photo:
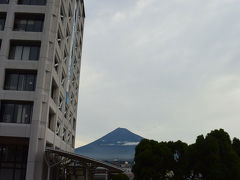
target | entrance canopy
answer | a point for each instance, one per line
(70, 163)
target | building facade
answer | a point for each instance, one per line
(40, 59)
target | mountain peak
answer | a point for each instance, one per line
(119, 143)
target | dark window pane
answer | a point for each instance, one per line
(38, 2)
(32, 2)
(30, 82)
(16, 113)
(21, 82)
(16, 52)
(28, 22)
(2, 23)
(11, 81)
(19, 154)
(20, 25)
(12, 52)
(13, 162)
(38, 26)
(24, 2)
(7, 113)
(17, 175)
(24, 52)
(4, 2)
(6, 174)
(34, 53)
(30, 25)
(26, 114)
(9, 153)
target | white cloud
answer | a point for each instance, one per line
(131, 144)
(118, 16)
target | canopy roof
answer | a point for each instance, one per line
(55, 157)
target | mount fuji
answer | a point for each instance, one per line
(117, 145)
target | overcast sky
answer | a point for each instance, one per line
(164, 69)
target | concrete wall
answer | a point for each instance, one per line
(37, 131)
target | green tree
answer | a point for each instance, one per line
(152, 160)
(214, 157)
(178, 153)
(236, 145)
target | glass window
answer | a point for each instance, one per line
(2, 20)
(16, 112)
(38, 25)
(30, 82)
(32, 2)
(18, 52)
(4, 1)
(23, 51)
(28, 22)
(20, 81)
(26, 113)
(34, 53)
(7, 111)
(20, 24)
(56, 63)
(6, 174)
(13, 161)
(11, 81)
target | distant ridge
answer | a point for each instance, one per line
(119, 144)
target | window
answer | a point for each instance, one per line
(68, 34)
(68, 138)
(4, 1)
(81, 28)
(64, 134)
(20, 81)
(32, 2)
(51, 120)
(70, 12)
(73, 141)
(49, 145)
(74, 62)
(2, 20)
(54, 91)
(66, 111)
(60, 106)
(73, 80)
(59, 37)
(24, 50)
(16, 112)
(58, 129)
(13, 161)
(62, 13)
(74, 123)
(56, 63)
(28, 22)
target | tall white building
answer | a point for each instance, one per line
(40, 59)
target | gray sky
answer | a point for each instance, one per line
(164, 69)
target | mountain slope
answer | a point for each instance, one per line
(119, 144)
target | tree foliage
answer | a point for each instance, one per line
(214, 157)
